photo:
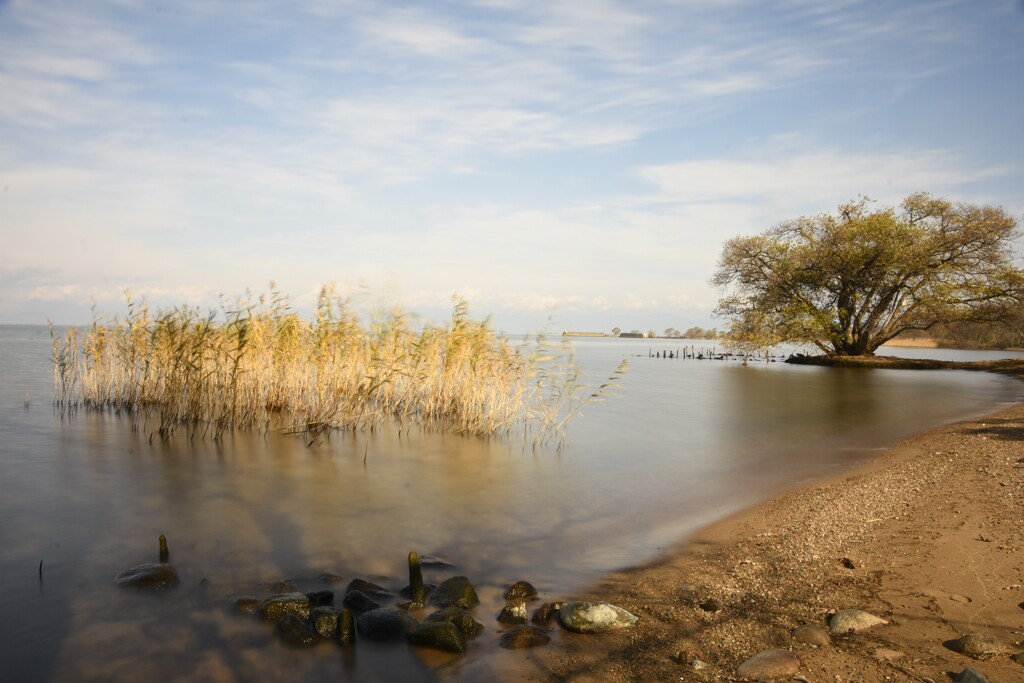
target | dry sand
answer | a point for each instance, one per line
(928, 536)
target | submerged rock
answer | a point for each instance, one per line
(320, 598)
(978, 645)
(275, 607)
(852, 621)
(245, 604)
(770, 664)
(439, 635)
(358, 601)
(151, 576)
(385, 623)
(513, 613)
(520, 590)
(462, 619)
(326, 620)
(293, 630)
(456, 591)
(594, 617)
(366, 587)
(524, 636)
(542, 615)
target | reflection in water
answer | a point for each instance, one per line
(683, 442)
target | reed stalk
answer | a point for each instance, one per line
(256, 364)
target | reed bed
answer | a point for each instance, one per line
(258, 365)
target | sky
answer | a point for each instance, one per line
(562, 165)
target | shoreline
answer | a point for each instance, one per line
(927, 535)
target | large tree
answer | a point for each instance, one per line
(852, 281)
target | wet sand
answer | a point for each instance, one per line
(928, 536)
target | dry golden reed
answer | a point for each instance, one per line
(258, 365)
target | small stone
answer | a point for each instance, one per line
(456, 591)
(811, 635)
(151, 576)
(969, 675)
(960, 598)
(385, 623)
(524, 636)
(439, 635)
(848, 563)
(462, 619)
(1018, 658)
(359, 602)
(244, 604)
(320, 598)
(770, 664)
(366, 587)
(520, 590)
(977, 645)
(594, 617)
(711, 605)
(852, 621)
(325, 621)
(294, 631)
(513, 613)
(275, 607)
(542, 615)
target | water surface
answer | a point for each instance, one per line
(682, 442)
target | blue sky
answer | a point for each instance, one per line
(580, 161)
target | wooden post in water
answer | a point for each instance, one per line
(417, 591)
(165, 554)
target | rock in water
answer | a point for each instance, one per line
(520, 590)
(456, 591)
(978, 645)
(293, 630)
(385, 623)
(275, 607)
(513, 613)
(770, 664)
(152, 576)
(439, 635)
(245, 604)
(462, 619)
(358, 601)
(852, 621)
(594, 617)
(524, 636)
(326, 621)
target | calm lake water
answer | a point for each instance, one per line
(682, 442)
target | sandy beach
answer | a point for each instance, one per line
(927, 536)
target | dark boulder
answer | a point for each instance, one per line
(513, 613)
(320, 598)
(520, 590)
(439, 635)
(359, 602)
(462, 619)
(367, 588)
(385, 623)
(244, 604)
(275, 607)
(151, 576)
(326, 621)
(295, 631)
(456, 591)
(542, 615)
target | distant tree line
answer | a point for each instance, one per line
(670, 333)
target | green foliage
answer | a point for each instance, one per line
(852, 281)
